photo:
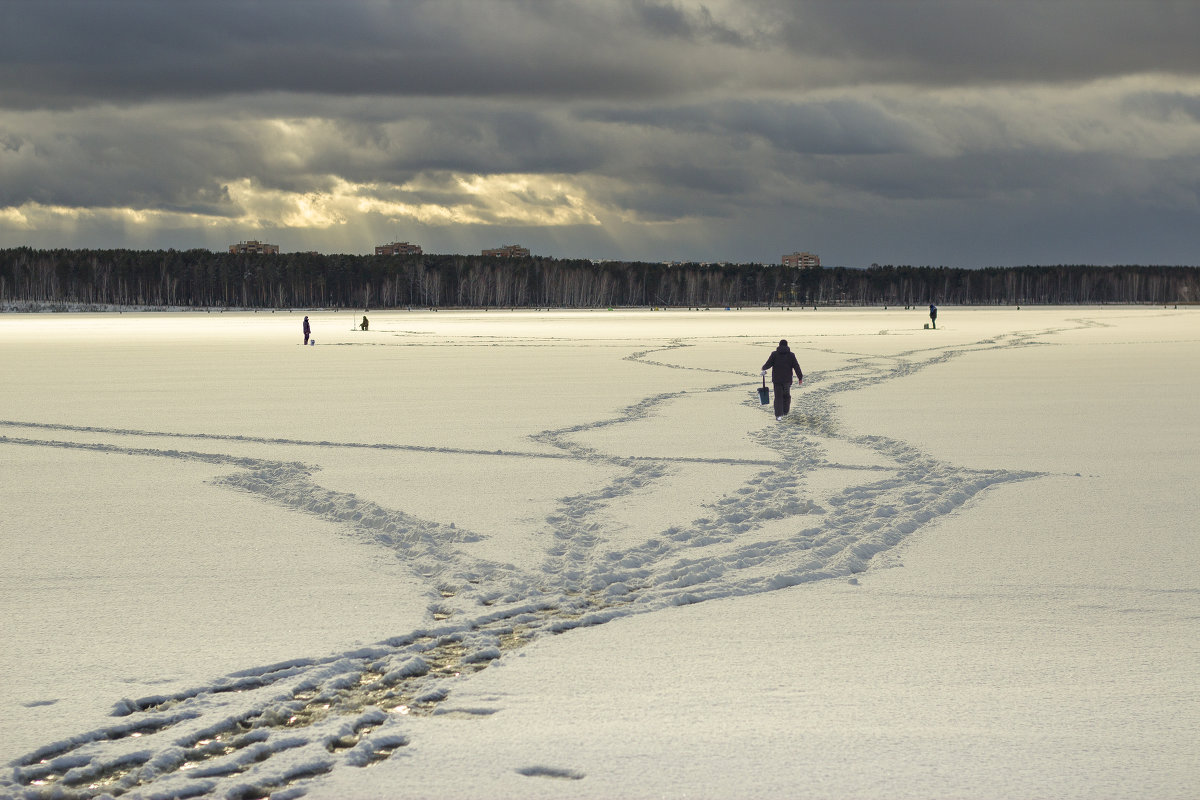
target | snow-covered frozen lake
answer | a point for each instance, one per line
(569, 554)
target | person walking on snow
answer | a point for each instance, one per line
(782, 363)
(307, 330)
(933, 315)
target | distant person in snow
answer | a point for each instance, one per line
(933, 315)
(782, 363)
(307, 330)
(364, 323)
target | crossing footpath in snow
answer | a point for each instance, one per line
(569, 554)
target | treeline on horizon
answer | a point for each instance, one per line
(206, 279)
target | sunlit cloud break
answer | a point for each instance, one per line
(506, 199)
(36, 216)
(470, 199)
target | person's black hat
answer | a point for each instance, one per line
(783, 342)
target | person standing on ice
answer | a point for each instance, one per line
(307, 330)
(933, 315)
(782, 363)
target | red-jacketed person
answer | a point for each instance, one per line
(782, 364)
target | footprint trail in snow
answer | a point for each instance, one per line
(272, 729)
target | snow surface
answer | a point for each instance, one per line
(568, 554)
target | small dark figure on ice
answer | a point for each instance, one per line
(307, 330)
(782, 364)
(364, 323)
(933, 315)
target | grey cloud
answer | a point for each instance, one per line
(670, 19)
(64, 54)
(105, 167)
(693, 128)
(840, 126)
(832, 127)
(971, 178)
(1163, 106)
(967, 41)
(499, 140)
(175, 157)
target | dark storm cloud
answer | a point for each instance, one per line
(489, 139)
(841, 126)
(968, 41)
(723, 129)
(105, 163)
(1004, 177)
(670, 20)
(60, 53)
(64, 53)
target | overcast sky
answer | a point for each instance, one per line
(955, 132)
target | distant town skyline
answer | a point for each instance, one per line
(798, 259)
(935, 132)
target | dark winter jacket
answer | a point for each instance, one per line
(781, 364)
(307, 329)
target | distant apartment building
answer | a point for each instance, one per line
(802, 260)
(508, 251)
(398, 249)
(260, 248)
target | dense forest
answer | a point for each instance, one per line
(204, 279)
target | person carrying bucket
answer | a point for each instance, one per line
(782, 363)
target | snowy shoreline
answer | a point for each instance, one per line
(33, 307)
